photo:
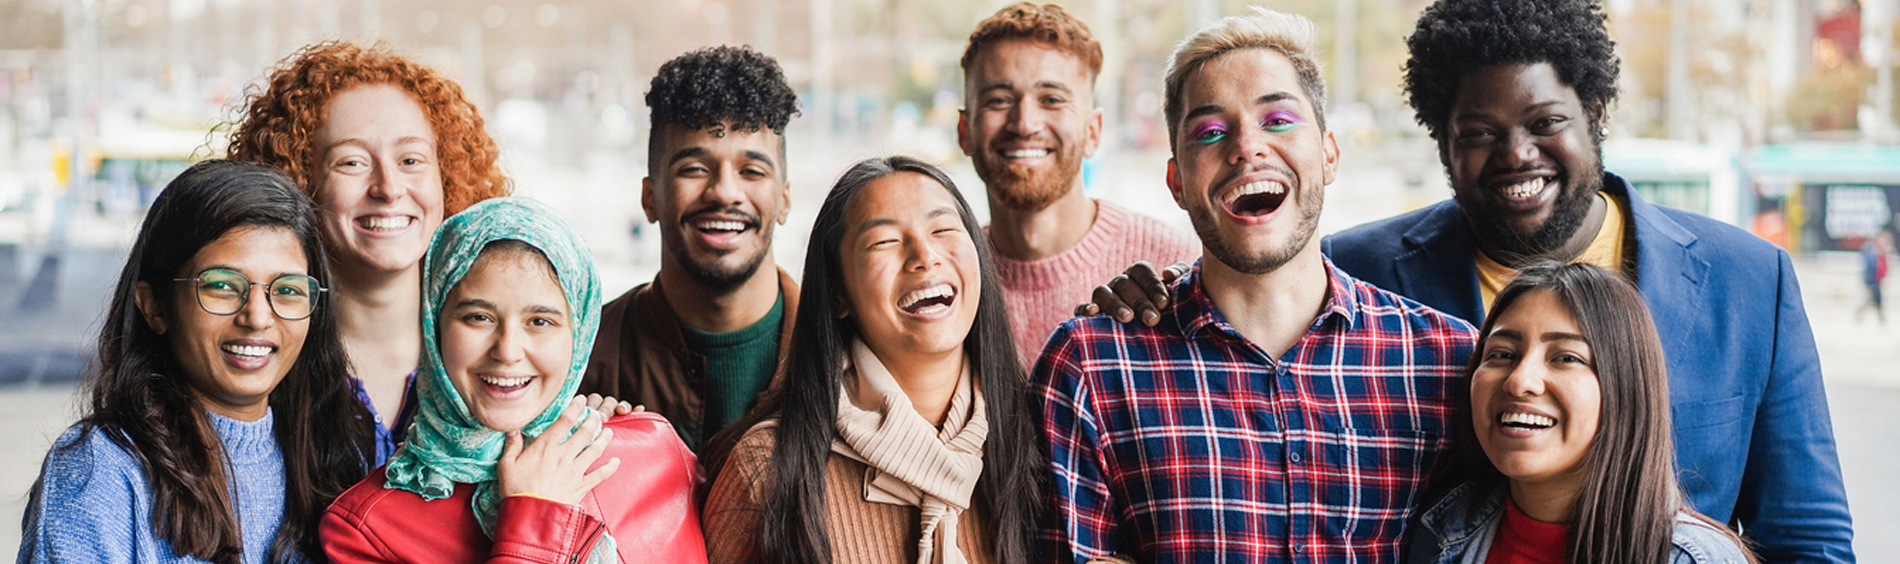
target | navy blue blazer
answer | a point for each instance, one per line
(1754, 444)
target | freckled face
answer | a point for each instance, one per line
(380, 198)
(507, 339)
(911, 276)
(1535, 397)
(1251, 164)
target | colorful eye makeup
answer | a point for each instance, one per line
(1209, 132)
(1279, 121)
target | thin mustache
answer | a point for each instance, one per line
(732, 210)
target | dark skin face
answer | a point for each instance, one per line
(1523, 163)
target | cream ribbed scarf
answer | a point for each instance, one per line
(913, 463)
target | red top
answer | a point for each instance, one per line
(1523, 540)
(647, 505)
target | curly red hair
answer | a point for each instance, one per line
(279, 117)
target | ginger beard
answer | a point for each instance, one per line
(1027, 187)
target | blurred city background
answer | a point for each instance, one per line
(1775, 115)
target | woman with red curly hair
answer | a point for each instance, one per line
(386, 147)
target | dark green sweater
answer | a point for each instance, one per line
(739, 365)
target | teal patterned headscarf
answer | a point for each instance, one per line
(446, 444)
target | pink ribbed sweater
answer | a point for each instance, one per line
(1041, 294)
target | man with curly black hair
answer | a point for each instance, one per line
(700, 342)
(1516, 94)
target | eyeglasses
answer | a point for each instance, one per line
(224, 292)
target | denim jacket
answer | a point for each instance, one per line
(1460, 526)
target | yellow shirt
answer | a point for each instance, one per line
(1606, 250)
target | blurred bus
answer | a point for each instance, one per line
(1826, 196)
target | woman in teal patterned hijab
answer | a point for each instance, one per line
(510, 308)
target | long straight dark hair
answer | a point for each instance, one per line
(141, 400)
(805, 402)
(1627, 510)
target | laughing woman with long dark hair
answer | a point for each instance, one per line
(900, 430)
(220, 420)
(1564, 445)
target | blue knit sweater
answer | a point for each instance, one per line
(93, 502)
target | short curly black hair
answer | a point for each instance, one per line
(736, 87)
(1454, 38)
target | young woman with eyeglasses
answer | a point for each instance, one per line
(220, 421)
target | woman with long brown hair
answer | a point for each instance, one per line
(1564, 452)
(219, 423)
(900, 431)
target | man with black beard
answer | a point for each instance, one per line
(700, 342)
(1029, 119)
(1516, 95)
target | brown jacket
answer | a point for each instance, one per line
(640, 357)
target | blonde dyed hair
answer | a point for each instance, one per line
(1289, 34)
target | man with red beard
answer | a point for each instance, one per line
(1028, 122)
(1279, 409)
(699, 343)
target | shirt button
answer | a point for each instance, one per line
(1299, 547)
(1295, 457)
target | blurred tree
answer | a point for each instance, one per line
(1829, 99)
(30, 24)
(1728, 92)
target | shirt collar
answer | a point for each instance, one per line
(1194, 311)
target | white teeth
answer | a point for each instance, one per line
(1256, 187)
(720, 225)
(1027, 153)
(386, 223)
(1524, 189)
(247, 350)
(1526, 419)
(505, 382)
(938, 291)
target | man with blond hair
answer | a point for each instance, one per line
(1029, 119)
(1279, 409)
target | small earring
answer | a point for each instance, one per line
(1603, 131)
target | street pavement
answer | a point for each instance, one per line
(47, 320)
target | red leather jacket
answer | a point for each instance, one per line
(647, 505)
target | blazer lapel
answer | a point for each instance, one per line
(1439, 266)
(1668, 271)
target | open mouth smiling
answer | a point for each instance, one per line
(1254, 199)
(385, 223)
(1525, 421)
(929, 300)
(248, 352)
(1026, 154)
(505, 384)
(1526, 190)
